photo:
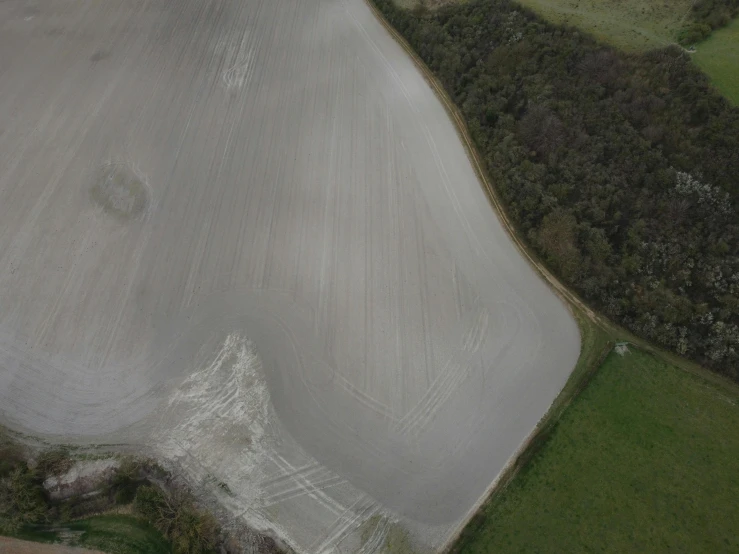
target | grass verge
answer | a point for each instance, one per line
(597, 335)
(116, 534)
(637, 26)
(646, 459)
(596, 342)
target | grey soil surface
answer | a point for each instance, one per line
(245, 236)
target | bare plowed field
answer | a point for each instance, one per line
(245, 235)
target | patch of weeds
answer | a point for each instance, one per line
(368, 527)
(178, 519)
(398, 541)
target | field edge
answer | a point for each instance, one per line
(598, 334)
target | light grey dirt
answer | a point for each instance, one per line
(245, 235)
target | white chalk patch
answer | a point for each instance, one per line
(216, 421)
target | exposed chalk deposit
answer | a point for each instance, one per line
(84, 477)
(245, 236)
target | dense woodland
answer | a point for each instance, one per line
(621, 171)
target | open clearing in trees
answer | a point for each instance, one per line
(245, 236)
(718, 56)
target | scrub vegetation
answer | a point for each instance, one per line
(162, 518)
(646, 459)
(620, 170)
(119, 534)
(635, 26)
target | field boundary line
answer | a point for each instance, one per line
(531, 445)
(570, 298)
(537, 438)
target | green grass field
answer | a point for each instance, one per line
(718, 56)
(632, 25)
(646, 459)
(115, 534)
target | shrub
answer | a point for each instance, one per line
(22, 499)
(175, 515)
(693, 33)
(53, 463)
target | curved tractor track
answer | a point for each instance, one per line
(245, 236)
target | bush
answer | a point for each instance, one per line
(126, 481)
(176, 517)
(11, 455)
(708, 15)
(693, 33)
(716, 13)
(22, 499)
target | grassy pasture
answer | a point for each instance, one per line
(116, 534)
(631, 25)
(646, 459)
(718, 56)
(634, 26)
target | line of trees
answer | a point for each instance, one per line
(621, 170)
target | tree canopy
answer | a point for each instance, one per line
(621, 170)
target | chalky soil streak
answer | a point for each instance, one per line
(245, 236)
